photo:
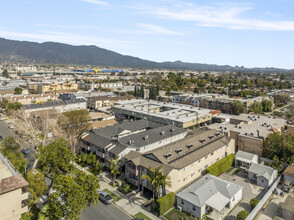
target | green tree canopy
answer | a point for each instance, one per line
(237, 107)
(242, 215)
(256, 107)
(55, 159)
(267, 105)
(17, 91)
(5, 73)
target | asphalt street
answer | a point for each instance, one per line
(4, 130)
(104, 212)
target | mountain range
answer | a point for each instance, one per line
(59, 53)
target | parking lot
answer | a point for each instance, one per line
(250, 191)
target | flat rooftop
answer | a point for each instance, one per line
(252, 124)
(172, 111)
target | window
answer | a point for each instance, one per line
(182, 202)
(24, 203)
(233, 198)
(206, 156)
(185, 168)
(192, 174)
(199, 170)
(211, 153)
(194, 208)
(185, 179)
(199, 161)
(192, 164)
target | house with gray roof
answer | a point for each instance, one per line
(209, 195)
(263, 175)
(244, 159)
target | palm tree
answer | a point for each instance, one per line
(114, 168)
(163, 182)
(153, 178)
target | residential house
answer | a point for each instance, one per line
(288, 174)
(263, 175)
(244, 159)
(210, 196)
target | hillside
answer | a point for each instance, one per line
(59, 53)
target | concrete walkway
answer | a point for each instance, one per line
(130, 204)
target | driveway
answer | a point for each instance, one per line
(250, 191)
(103, 212)
(4, 130)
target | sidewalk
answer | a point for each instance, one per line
(130, 203)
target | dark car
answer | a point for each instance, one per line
(1, 138)
(105, 197)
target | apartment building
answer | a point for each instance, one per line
(92, 86)
(193, 99)
(13, 192)
(250, 131)
(119, 140)
(181, 115)
(31, 99)
(42, 88)
(97, 102)
(58, 105)
(225, 104)
(183, 161)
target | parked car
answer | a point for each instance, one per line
(105, 197)
(1, 138)
(26, 152)
(11, 126)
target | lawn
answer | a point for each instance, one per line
(229, 170)
(142, 216)
(115, 197)
(175, 214)
(236, 171)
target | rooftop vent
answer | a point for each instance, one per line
(245, 133)
(251, 134)
(146, 137)
(202, 140)
(210, 137)
(172, 129)
(189, 146)
(131, 142)
(239, 127)
(162, 132)
(178, 150)
(217, 134)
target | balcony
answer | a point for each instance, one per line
(24, 203)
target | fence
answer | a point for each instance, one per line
(257, 208)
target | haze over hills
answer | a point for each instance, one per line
(59, 53)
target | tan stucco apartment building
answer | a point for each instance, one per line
(249, 131)
(13, 192)
(183, 161)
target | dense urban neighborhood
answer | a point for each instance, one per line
(92, 143)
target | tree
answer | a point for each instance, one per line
(67, 200)
(74, 123)
(281, 99)
(37, 186)
(55, 159)
(267, 105)
(253, 203)
(90, 184)
(164, 181)
(168, 91)
(5, 73)
(17, 91)
(242, 215)
(256, 107)
(114, 169)
(142, 92)
(153, 177)
(237, 107)
(12, 150)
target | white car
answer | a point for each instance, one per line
(1, 119)
(11, 126)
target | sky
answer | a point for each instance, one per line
(256, 33)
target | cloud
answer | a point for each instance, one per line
(70, 38)
(155, 29)
(97, 2)
(229, 15)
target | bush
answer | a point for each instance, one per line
(125, 187)
(242, 215)
(253, 203)
(221, 166)
(165, 203)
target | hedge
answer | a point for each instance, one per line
(221, 166)
(165, 203)
(242, 215)
(253, 203)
